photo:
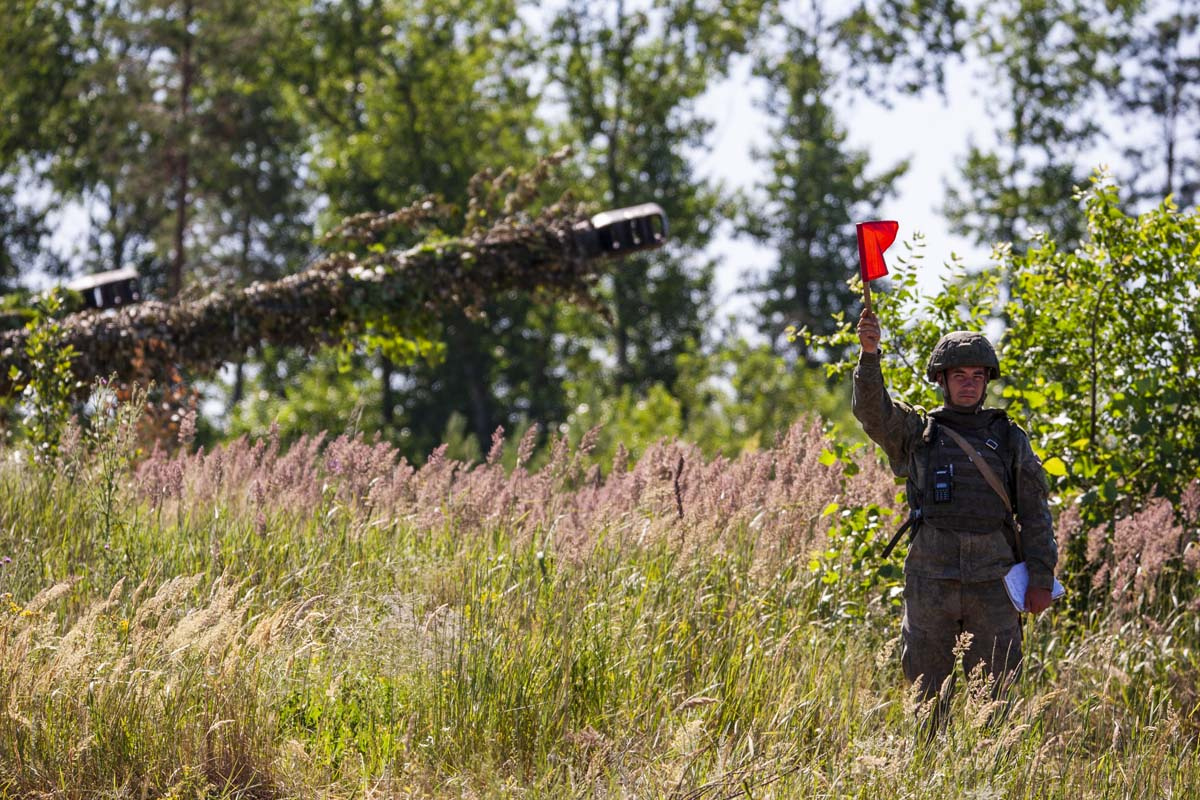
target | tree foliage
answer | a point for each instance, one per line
(208, 141)
(408, 98)
(817, 188)
(1160, 91)
(1098, 356)
(1051, 71)
(1102, 345)
(159, 126)
(1049, 64)
(903, 45)
(629, 79)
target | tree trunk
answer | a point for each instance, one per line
(239, 384)
(179, 257)
(387, 396)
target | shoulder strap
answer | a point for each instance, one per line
(990, 477)
(1015, 434)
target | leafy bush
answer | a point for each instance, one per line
(850, 567)
(1101, 347)
(1098, 348)
(47, 384)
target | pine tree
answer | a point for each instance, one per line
(817, 188)
(628, 81)
(1160, 96)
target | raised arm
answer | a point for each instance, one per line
(892, 425)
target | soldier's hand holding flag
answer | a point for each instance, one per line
(868, 330)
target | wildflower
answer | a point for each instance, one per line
(525, 449)
(497, 447)
(588, 443)
(620, 460)
(438, 457)
(1191, 556)
(885, 654)
(962, 644)
(187, 428)
(1144, 544)
(1189, 504)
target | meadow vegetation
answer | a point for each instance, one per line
(331, 621)
(678, 592)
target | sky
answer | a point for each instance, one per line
(932, 132)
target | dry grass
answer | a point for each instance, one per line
(337, 624)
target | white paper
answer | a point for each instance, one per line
(1017, 581)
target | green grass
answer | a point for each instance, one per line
(224, 649)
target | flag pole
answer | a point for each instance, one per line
(862, 267)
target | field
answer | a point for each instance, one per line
(331, 622)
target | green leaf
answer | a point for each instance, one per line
(891, 572)
(1034, 400)
(1055, 466)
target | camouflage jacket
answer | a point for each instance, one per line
(967, 538)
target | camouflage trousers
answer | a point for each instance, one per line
(937, 612)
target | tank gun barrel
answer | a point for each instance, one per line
(341, 294)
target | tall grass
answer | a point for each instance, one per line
(332, 622)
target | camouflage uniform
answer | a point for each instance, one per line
(958, 558)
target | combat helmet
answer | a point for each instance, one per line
(962, 349)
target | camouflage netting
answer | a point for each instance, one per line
(337, 297)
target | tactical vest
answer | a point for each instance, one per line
(949, 490)
(945, 489)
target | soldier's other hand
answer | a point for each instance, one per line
(868, 331)
(1037, 600)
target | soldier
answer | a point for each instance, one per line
(965, 535)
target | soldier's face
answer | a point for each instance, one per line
(964, 386)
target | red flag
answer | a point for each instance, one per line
(873, 238)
